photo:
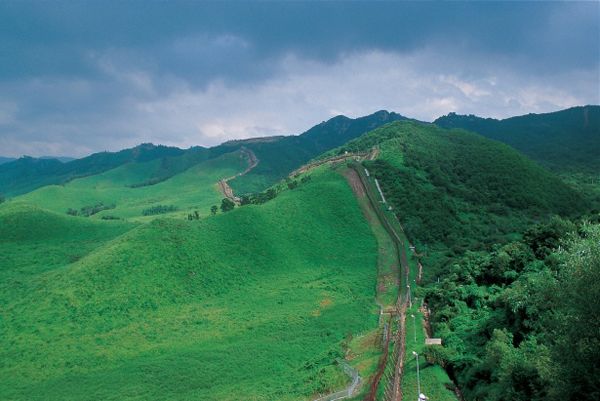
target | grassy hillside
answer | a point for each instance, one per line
(193, 189)
(253, 304)
(566, 140)
(454, 190)
(284, 154)
(27, 173)
(484, 220)
(278, 156)
(34, 241)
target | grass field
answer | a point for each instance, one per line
(254, 304)
(194, 189)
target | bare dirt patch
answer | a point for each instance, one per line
(355, 183)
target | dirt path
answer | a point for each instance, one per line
(370, 155)
(394, 388)
(223, 184)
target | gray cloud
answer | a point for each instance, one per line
(77, 78)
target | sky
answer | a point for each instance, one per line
(81, 77)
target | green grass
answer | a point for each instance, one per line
(254, 304)
(454, 190)
(193, 189)
(433, 377)
(33, 240)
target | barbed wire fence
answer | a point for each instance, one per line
(348, 391)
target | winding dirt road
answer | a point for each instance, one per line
(223, 184)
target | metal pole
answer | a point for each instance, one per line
(414, 327)
(418, 377)
(409, 297)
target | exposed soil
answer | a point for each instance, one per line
(355, 182)
(223, 184)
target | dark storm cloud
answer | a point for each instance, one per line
(76, 76)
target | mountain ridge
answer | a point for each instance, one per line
(564, 140)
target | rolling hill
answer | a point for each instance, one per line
(277, 155)
(281, 156)
(27, 173)
(566, 140)
(122, 193)
(458, 190)
(253, 304)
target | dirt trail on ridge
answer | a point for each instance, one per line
(223, 184)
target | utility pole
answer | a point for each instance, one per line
(418, 377)
(414, 326)
(409, 297)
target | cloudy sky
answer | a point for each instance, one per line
(81, 77)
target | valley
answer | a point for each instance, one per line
(137, 283)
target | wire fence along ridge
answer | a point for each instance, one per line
(348, 391)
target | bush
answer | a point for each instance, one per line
(159, 209)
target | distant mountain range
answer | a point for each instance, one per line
(567, 140)
(278, 156)
(62, 159)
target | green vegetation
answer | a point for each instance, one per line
(281, 155)
(26, 174)
(520, 322)
(278, 156)
(434, 381)
(472, 206)
(33, 241)
(566, 140)
(159, 209)
(454, 191)
(259, 302)
(194, 189)
(256, 303)
(90, 210)
(227, 205)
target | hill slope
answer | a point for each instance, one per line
(279, 156)
(253, 304)
(123, 194)
(456, 189)
(27, 173)
(566, 140)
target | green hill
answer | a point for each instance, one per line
(566, 140)
(498, 264)
(280, 155)
(121, 193)
(458, 190)
(27, 173)
(252, 304)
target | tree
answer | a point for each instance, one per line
(575, 323)
(196, 215)
(227, 205)
(2, 198)
(213, 209)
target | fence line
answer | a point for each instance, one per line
(348, 391)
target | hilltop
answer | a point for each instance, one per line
(459, 189)
(566, 140)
